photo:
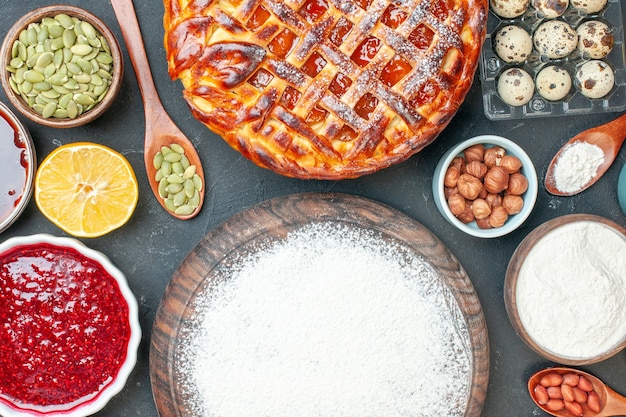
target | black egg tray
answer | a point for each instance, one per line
(575, 103)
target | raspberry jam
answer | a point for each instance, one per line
(65, 327)
(13, 167)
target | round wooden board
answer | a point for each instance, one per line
(274, 219)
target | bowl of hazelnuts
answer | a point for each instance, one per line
(486, 186)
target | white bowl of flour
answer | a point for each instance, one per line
(565, 288)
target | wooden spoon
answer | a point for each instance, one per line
(611, 403)
(160, 129)
(609, 137)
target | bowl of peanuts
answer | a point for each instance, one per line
(485, 186)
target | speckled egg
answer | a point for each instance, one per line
(515, 87)
(550, 8)
(595, 79)
(513, 44)
(555, 39)
(509, 9)
(553, 83)
(589, 6)
(595, 39)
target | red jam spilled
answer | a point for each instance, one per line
(13, 167)
(65, 327)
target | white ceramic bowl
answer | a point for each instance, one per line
(7, 218)
(94, 401)
(514, 221)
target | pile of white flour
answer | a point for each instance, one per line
(334, 322)
(571, 290)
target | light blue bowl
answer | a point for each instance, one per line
(621, 189)
(528, 170)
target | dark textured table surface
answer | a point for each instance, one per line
(149, 248)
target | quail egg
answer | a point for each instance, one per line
(595, 39)
(589, 6)
(513, 44)
(550, 8)
(509, 9)
(553, 83)
(595, 79)
(555, 39)
(515, 87)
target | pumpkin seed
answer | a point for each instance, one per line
(177, 168)
(69, 38)
(60, 54)
(177, 148)
(175, 179)
(157, 160)
(197, 181)
(65, 21)
(48, 110)
(169, 204)
(173, 188)
(189, 172)
(184, 210)
(172, 157)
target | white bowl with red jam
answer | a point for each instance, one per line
(70, 329)
(17, 167)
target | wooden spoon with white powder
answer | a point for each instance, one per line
(585, 158)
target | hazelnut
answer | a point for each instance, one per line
(476, 168)
(511, 163)
(481, 209)
(474, 152)
(496, 180)
(483, 223)
(498, 216)
(512, 203)
(456, 203)
(469, 186)
(518, 184)
(483, 193)
(458, 162)
(449, 191)
(493, 156)
(452, 176)
(493, 199)
(467, 216)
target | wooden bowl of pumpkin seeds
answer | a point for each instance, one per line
(61, 66)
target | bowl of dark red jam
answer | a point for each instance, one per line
(70, 329)
(17, 167)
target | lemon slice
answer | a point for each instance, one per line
(86, 189)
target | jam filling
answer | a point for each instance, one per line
(65, 327)
(13, 168)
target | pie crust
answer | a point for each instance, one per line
(325, 89)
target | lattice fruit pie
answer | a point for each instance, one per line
(325, 89)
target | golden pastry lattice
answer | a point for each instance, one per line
(325, 89)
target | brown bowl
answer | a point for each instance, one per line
(20, 103)
(512, 298)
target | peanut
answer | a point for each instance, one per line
(552, 379)
(584, 384)
(571, 379)
(574, 408)
(541, 394)
(555, 405)
(568, 392)
(554, 392)
(593, 402)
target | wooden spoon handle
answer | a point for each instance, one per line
(615, 404)
(127, 19)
